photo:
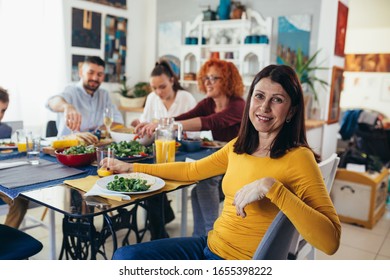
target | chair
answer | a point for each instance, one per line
(30, 222)
(328, 168)
(15, 125)
(51, 129)
(277, 241)
(17, 245)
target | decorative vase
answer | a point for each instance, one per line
(224, 9)
(137, 102)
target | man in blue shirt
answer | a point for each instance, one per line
(81, 106)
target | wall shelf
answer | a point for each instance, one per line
(226, 40)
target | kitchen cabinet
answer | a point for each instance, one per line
(244, 42)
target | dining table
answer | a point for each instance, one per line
(82, 238)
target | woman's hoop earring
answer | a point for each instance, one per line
(288, 120)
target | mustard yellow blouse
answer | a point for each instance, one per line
(299, 192)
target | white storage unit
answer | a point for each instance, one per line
(227, 39)
(360, 198)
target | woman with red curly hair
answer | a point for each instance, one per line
(221, 112)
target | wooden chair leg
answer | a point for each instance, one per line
(44, 213)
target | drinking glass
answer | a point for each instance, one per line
(21, 136)
(101, 153)
(108, 119)
(33, 146)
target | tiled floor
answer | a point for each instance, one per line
(357, 243)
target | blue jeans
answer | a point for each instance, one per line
(205, 198)
(179, 248)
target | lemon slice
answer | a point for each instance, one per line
(103, 172)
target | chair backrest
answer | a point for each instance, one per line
(17, 245)
(278, 239)
(328, 169)
(15, 125)
(51, 129)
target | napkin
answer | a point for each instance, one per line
(4, 165)
(88, 184)
(97, 190)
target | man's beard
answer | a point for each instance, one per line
(93, 87)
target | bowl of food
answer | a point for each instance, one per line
(146, 140)
(123, 134)
(191, 145)
(127, 134)
(76, 156)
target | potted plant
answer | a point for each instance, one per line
(133, 97)
(305, 71)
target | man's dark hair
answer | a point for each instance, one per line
(4, 97)
(95, 60)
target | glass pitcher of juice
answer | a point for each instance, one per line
(165, 140)
(21, 137)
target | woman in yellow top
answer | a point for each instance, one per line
(268, 167)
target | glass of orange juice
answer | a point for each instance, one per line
(21, 138)
(164, 150)
(101, 153)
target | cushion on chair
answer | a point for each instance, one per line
(16, 244)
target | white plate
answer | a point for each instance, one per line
(156, 183)
(5, 147)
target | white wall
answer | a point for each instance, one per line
(368, 32)
(31, 57)
(326, 42)
(368, 27)
(35, 51)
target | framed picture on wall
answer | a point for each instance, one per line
(121, 4)
(293, 35)
(341, 29)
(86, 29)
(115, 48)
(335, 92)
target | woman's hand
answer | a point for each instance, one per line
(146, 129)
(135, 123)
(250, 193)
(117, 166)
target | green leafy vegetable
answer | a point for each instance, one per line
(131, 148)
(122, 184)
(79, 149)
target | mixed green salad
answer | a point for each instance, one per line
(79, 149)
(130, 149)
(121, 184)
